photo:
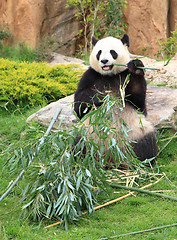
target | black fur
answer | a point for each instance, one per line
(98, 55)
(114, 54)
(94, 40)
(92, 83)
(146, 148)
(125, 40)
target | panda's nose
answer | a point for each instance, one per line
(104, 61)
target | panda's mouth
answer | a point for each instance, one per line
(107, 67)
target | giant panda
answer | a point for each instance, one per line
(103, 76)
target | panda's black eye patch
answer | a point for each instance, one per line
(114, 54)
(98, 55)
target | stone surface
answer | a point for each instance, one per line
(162, 107)
(65, 119)
(148, 21)
(62, 59)
(24, 18)
(30, 20)
(167, 76)
(161, 104)
(173, 15)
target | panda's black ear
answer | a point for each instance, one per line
(125, 40)
(94, 40)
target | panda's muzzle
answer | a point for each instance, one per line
(107, 67)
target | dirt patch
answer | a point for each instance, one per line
(166, 76)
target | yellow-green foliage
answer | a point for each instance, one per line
(32, 83)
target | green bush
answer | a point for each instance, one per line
(169, 48)
(4, 34)
(32, 84)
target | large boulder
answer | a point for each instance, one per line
(161, 106)
(65, 119)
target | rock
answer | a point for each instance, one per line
(62, 59)
(24, 18)
(65, 119)
(30, 20)
(166, 76)
(148, 22)
(162, 107)
(173, 15)
(161, 104)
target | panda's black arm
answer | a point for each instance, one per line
(133, 67)
(86, 94)
(136, 88)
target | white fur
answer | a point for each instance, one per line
(105, 45)
(137, 125)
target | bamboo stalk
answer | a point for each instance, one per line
(41, 142)
(123, 65)
(143, 231)
(143, 191)
(53, 224)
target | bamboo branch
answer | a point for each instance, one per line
(117, 199)
(143, 191)
(123, 65)
(105, 204)
(143, 231)
(30, 162)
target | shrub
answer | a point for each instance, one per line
(4, 34)
(169, 48)
(32, 84)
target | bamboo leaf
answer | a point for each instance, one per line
(28, 204)
(78, 182)
(49, 210)
(88, 173)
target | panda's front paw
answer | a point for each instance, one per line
(133, 67)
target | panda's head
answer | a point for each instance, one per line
(107, 52)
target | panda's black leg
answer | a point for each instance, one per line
(146, 148)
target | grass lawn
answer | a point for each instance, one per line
(135, 213)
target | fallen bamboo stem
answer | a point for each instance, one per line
(105, 204)
(143, 191)
(143, 231)
(53, 224)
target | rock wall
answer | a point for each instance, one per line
(30, 20)
(24, 18)
(173, 14)
(148, 21)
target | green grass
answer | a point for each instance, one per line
(20, 52)
(132, 214)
